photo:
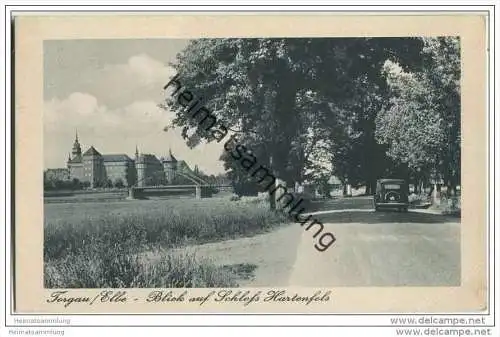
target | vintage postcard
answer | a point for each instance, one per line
(225, 163)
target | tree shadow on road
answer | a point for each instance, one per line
(372, 217)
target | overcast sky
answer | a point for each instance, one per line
(109, 91)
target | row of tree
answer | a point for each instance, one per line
(309, 108)
(54, 184)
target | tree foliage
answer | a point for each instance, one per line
(307, 108)
(421, 124)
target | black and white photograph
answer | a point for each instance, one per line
(252, 162)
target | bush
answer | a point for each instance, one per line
(261, 198)
(306, 203)
(246, 188)
(119, 183)
(450, 206)
(417, 199)
(60, 185)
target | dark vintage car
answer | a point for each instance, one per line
(391, 193)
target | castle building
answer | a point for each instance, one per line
(103, 169)
(149, 170)
(169, 167)
(93, 168)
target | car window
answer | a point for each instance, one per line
(392, 187)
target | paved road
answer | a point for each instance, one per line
(380, 249)
(371, 249)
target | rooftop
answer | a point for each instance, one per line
(116, 157)
(75, 160)
(91, 152)
(170, 157)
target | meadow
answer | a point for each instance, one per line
(99, 244)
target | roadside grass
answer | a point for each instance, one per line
(243, 270)
(95, 245)
(119, 268)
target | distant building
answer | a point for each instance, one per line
(149, 170)
(144, 170)
(334, 185)
(120, 167)
(170, 166)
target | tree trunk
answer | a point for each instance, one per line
(286, 128)
(454, 184)
(272, 201)
(349, 190)
(272, 196)
(436, 198)
(430, 191)
(449, 187)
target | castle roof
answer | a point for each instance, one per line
(147, 155)
(75, 160)
(115, 157)
(91, 152)
(170, 157)
(148, 158)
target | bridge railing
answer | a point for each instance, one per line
(179, 186)
(200, 190)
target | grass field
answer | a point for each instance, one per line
(97, 244)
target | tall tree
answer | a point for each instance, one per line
(358, 158)
(301, 104)
(253, 86)
(422, 123)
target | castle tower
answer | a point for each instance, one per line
(140, 166)
(77, 149)
(170, 167)
(74, 163)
